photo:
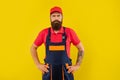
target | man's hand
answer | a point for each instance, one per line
(79, 59)
(43, 68)
(72, 68)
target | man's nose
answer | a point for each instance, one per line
(56, 17)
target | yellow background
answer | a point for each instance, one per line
(96, 22)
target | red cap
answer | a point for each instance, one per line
(55, 9)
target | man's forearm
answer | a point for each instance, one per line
(35, 55)
(79, 57)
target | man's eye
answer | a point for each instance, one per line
(58, 15)
(53, 15)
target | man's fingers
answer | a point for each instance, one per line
(47, 66)
(45, 70)
(73, 71)
(70, 70)
(68, 67)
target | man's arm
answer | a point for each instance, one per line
(80, 53)
(34, 54)
(79, 58)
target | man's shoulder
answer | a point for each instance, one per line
(45, 30)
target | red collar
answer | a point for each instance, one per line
(60, 31)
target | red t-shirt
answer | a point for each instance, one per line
(57, 37)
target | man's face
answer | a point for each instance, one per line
(56, 20)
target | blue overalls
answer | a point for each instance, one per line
(57, 59)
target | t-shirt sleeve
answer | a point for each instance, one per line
(74, 38)
(39, 39)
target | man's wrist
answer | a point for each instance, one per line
(77, 64)
(38, 64)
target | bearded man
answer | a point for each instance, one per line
(57, 40)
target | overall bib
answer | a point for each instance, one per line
(57, 59)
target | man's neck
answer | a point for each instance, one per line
(56, 31)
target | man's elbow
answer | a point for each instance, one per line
(82, 50)
(33, 48)
(80, 47)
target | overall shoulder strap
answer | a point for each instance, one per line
(64, 35)
(64, 30)
(49, 33)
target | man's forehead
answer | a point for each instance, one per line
(56, 13)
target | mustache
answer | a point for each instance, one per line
(56, 21)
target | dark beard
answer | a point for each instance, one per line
(56, 25)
